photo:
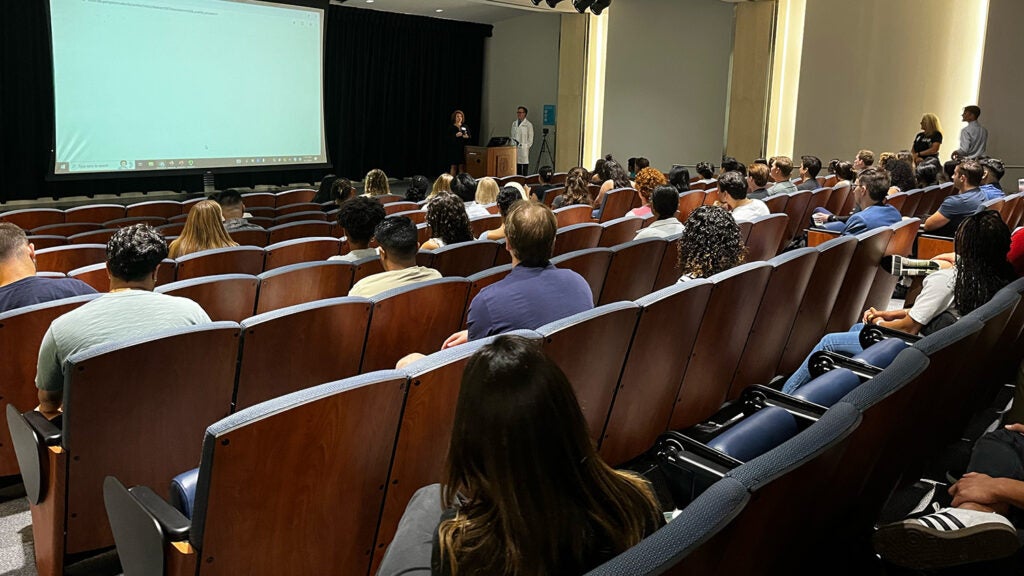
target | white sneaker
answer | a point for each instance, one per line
(949, 537)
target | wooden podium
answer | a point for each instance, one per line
(494, 161)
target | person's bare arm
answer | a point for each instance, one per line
(935, 221)
(50, 403)
(895, 319)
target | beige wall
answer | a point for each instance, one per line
(667, 79)
(871, 68)
(1001, 87)
(520, 69)
(751, 74)
(572, 57)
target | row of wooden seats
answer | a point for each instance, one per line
(718, 333)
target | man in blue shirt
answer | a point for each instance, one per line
(19, 285)
(994, 171)
(966, 180)
(869, 194)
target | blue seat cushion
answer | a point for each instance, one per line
(827, 389)
(183, 492)
(881, 354)
(756, 434)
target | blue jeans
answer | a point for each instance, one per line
(843, 342)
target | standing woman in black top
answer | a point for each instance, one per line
(456, 138)
(927, 141)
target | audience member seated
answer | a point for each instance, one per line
(233, 209)
(901, 175)
(486, 193)
(679, 177)
(994, 171)
(729, 164)
(535, 292)
(975, 527)
(544, 503)
(966, 200)
(419, 187)
(130, 310)
(323, 193)
(599, 175)
(442, 184)
(809, 168)
(635, 165)
(544, 173)
(448, 221)
(342, 191)
(617, 178)
(846, 174)
(864, 159)
(757, 180)
(706, 170)
(869, 197)
(927, 174)
(646, 181)
(376, 183)
(981, 270)
(359, 217)
(664, 204)
(19, 285)
(710, 243)
(733, 188)
(508, 196)
(576, 190)
(204, 230)
(464, 186)
(779, 173)
(396, 236)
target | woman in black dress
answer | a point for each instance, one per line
(927, 141)
(457, 138)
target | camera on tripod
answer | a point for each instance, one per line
(545, 131)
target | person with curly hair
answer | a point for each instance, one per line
(901, 175)
(647, 179)
(419, 187)
(710, 243)
(706, 170)
(204, 230)
(576, 190)
(376, 183)
(359, 217)
(448, 222)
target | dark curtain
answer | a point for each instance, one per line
(391, 83)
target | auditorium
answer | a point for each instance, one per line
(522, 287)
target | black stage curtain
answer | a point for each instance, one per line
(391, 84)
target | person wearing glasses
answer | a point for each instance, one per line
(869, 195)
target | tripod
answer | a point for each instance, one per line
(545, 149)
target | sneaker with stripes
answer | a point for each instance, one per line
(947, 537)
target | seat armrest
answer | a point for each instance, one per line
(822, 361)
(871, 334)
(142, 524)
(49, 433)
(173, 523)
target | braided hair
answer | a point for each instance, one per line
(981, 243)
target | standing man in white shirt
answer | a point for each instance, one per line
(522, 137)
(973, 137)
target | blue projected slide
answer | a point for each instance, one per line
(145, 85)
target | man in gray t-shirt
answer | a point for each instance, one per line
(130, 310)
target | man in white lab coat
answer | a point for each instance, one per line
(522, 137)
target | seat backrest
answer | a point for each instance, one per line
(592, 264)
(796, 206)
(304, 216)
(658, 356)
(577, 237)
(904, 235)
(593, 369)
(230, 297)
(173, 229)
(293, 230)
(401, 206)
(823, 287)
(766, 235)
(31, 218)
(250, 237)
(305, 282)
(365, 267)
(616, 204)
(930, 200)
(101, 236)
(482, 224)
(297, 196)
(688, 202)
(575, 214)
(1018, 213)
(669, 273)
(414, 318)
(897, 201)
(417, 216)
(158, 208)
(66, 228)
(786, 289)
(67, 258)
(819, 198)
(777, 203)
(730, 313)
(94, 275)
(21, 332)
(633, 270)
(300, 250)
(94, 213)
(263, 447)
(300, 346)
(47, 241)
(389, 198)
(465, 258)
(619, 231)
(553, 193)
(258, 200)
(710, 196)
(860, 275)
(995, 204)
(231, 260)
(153, 221)
(179, 396)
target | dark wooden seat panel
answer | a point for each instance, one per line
(617, 203)
(633, 270)
(300, 250)
(47, 241)
(577, 237)
(230, 297)
(67, 258)
(592, 264)
(94, 213)
(462, 259)
(904, 233)
(250, 237)
(849, 305)
(31, 218)
(575, 214)
(68, 228)
(766, 234)
(304, 282)
(297, 196)
(619, 231)
(232, 260)
(159, 208)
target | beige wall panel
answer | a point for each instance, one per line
(751, 73)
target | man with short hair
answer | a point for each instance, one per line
(664, 205)
(869, 196)
(757, 181)
(131, 309)
(968, 199)
(809, 168)
(19, 285)
(359, 217)
(973, 137)
(733, 193)
(398, 247)
(233, 209)
(729, 164)
(994, 171)
(864, 159)
(522, 137)
(779, 173)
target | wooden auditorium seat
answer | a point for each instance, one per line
(668, 272)
(301, 229)
(482, 224)
(250, 237)
(304, 282)
(101, 236)
(393, 208)
(159, 208)
(231, 260)
(156, 435)
(47, 241)
(819, 198)
(592, 264)
(616, 204)
(171, 229)
(313, 249)
(688, 202)
(931, 198)
(257, 200)
(292, 197)
(796, 206)
(462, 259)
(849, 304)
(577, 237)
(904, 234)
(31, 218)
(67, 228)
(913, 201)
(230, 297)
(67, 258)
(897, 201)
(483, 279)
(416, 215)
(766, 235)
(777, 203)
(153, 221)
(633, 270)
(305, 216)
(94, 213)
(619, 231)
(575, 214)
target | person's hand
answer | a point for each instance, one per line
(976, 488)
(1015, 428)
(819, 218)
(873, 316)
(460, 337)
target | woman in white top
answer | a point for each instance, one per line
(664, 205)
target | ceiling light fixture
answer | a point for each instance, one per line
(599, 5)
(581, 5)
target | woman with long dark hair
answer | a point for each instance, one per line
(449, 223)
(576, 190)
